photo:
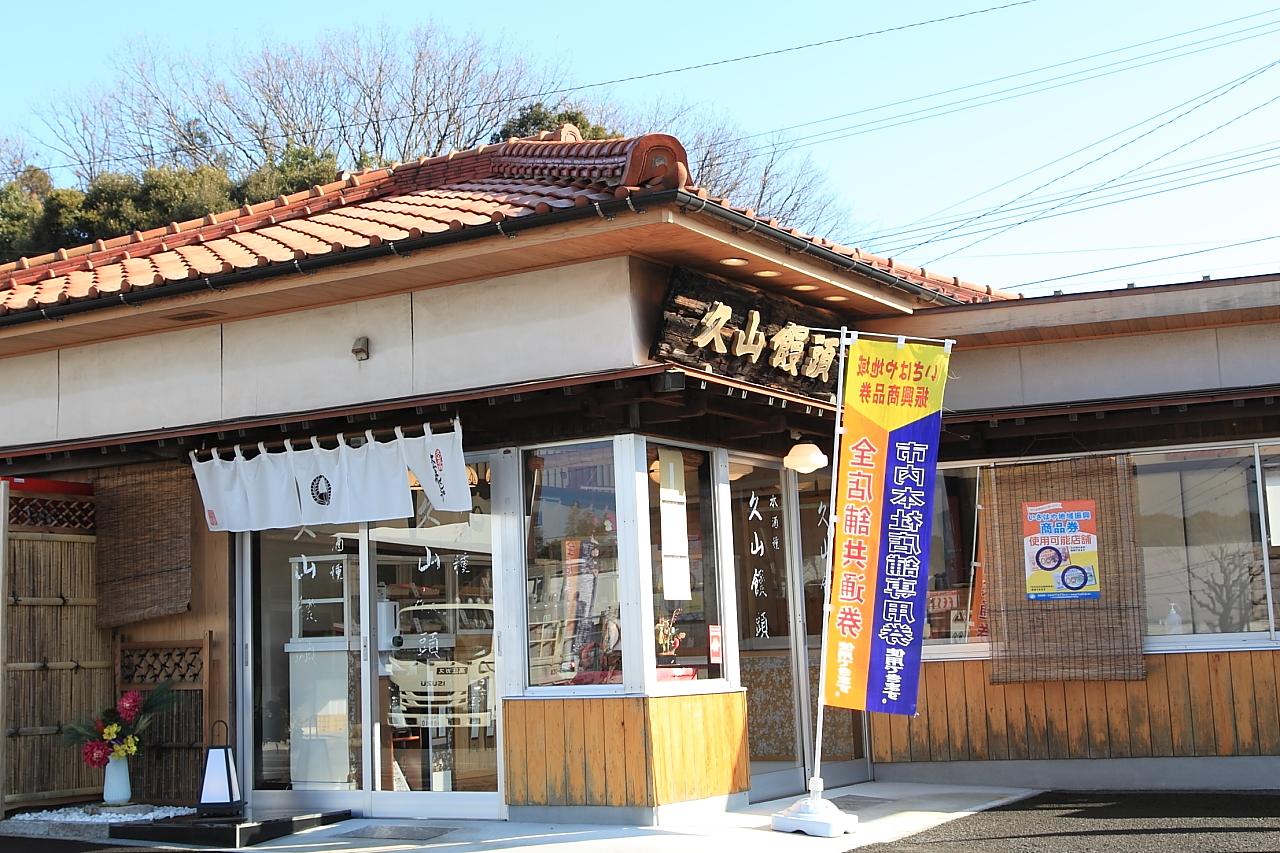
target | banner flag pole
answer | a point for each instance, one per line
(814, 815)
(883, 469)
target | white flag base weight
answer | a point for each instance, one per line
(814, 816)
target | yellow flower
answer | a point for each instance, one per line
(111, 732)
(130, 745)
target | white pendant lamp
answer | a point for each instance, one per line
(806, 457)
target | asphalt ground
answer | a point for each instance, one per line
(1060, 822)
(1056, 822)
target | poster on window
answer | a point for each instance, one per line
(1060, 549)
(884, 488)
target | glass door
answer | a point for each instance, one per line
(433, 677)
(766, 629)
(372, 662)
(306, 720)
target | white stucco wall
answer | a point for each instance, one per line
(301, 361)
(28, 398)
(140, 383)
(1114, 368)
(553, 322)
(518, 328)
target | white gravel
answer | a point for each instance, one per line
(79, 815)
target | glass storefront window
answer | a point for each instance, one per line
(434, 612)
(571, 581)
(686, 593)
(1198, 527)
(307, 701)
(955, 599)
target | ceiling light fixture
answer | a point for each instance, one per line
(834, 298)
(804, 288)
(767, 274)
(805, 458)
(734, 262)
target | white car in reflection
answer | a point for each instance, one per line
(442, 666)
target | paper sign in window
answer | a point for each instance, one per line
(1273, 505)
(674, 516)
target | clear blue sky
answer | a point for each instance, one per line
(890, 177)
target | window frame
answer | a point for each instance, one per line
(728, 681)
(1152, 643)
(518, 619)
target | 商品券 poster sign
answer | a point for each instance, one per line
(884, 490)
(1060, 548)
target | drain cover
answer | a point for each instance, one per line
(397, 832)
(851, 802)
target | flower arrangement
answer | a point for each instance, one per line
(117, 731)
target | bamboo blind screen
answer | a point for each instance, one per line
(1085, 639)
(144, 542)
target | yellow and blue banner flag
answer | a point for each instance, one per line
(883, 511)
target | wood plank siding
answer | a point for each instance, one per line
(625, 751)
(1203, 703)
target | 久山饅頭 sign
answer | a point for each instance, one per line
(891, 418)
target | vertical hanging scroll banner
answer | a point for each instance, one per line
(891, 419)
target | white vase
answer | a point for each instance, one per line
(115, 788)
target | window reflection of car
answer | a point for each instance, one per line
(442, 666)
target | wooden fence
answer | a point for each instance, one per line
(1216, 703)
(57, 663)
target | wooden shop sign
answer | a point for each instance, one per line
(739, 331)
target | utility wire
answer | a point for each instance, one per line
(1064, 63)
(1042, 281)
(1159, 179)
(996, 227)
(562, 90)
(906, 232)
(1198, 102)
(1126, 173)
(774, 150)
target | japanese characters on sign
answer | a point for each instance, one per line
(740, 331)
(883, 510)
(793, 349)
(1060, 550)
(763, 534)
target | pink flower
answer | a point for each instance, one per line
(129, 706)
(96, 753)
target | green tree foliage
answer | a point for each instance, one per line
(295, 169)
(534, 118)
(36, 218)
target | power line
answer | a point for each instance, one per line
(1045, 204)
(1096, 251)
(1181, 275)
(1046, 68)
(836, 134)
(560, 91)
(1160, 156)
(1198, 102)
(996, 227)
(922, 225)
(1142, 263)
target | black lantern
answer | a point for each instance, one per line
(220, 793)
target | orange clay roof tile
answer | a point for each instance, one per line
(553, 171)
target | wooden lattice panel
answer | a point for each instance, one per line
(142, 667)
(51, 514)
